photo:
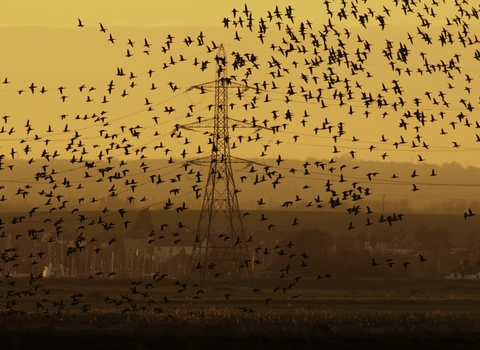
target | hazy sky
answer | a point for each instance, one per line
(134, 13)
(43, 45)
(335, 92)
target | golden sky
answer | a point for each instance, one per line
(86, 98)
(133, 13)
(42, 44)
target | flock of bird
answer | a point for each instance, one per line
(302, 68)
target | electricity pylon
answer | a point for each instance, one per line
(220, 248)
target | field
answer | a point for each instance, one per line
(335, 313)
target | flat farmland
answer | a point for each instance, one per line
(335, 313)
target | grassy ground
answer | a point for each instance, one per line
(230, 328)
(328, 315)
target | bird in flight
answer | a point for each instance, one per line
(421, 258)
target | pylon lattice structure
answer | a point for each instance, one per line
(220, 248)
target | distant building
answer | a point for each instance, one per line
(156, 250)
(465, 271)
(136, 240)
(408, 245)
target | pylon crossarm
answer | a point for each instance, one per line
(201, 85)
(228, 85)
(205, 123)
(200, 160)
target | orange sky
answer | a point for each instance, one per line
(43, 44)
(138, 13)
